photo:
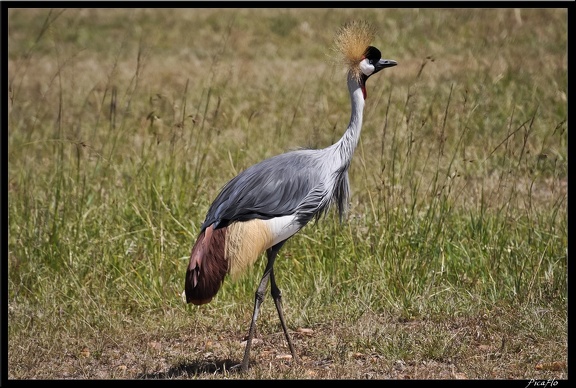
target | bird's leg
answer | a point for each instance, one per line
(271, 253)
(277, 296)
(257, 302)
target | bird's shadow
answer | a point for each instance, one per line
(213, 367)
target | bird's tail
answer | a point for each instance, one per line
(231, 249)
(207, 267)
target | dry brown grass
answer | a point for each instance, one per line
(123, 124)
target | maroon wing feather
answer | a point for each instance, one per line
(207, 267)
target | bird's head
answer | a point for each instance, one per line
(353, 44)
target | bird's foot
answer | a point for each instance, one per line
(239, 368)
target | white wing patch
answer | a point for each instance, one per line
(282, 228)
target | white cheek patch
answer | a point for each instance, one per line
(366, 67)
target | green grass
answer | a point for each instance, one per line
(124, 124)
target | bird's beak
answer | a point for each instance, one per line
(383, 63)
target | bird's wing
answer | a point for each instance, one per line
(272, 188)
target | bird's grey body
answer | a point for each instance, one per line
(287, 184)
(266, 204)
(295, 184)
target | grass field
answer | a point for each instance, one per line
(124, 124)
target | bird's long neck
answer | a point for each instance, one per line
(347, 144)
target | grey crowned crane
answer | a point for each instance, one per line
(266, 204)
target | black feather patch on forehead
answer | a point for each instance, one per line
(373, 54)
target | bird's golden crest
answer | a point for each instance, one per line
(351, 43)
